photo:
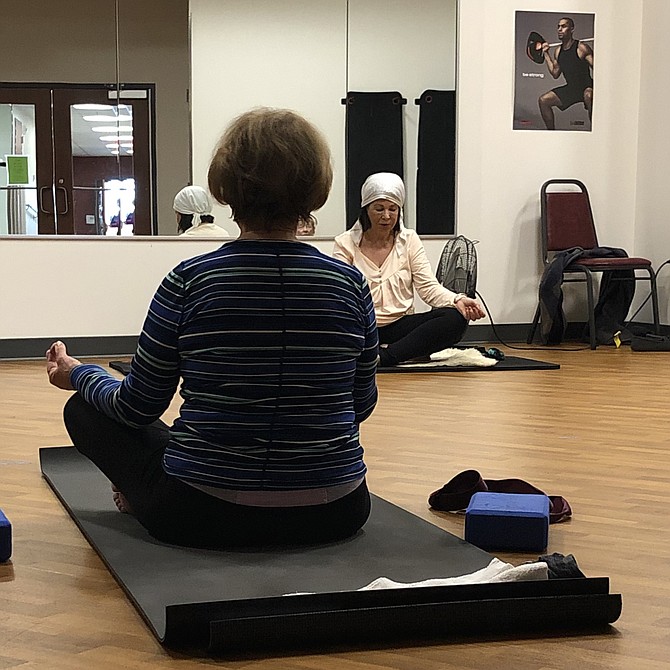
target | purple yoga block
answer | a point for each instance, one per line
(508, 521)
(5, 538)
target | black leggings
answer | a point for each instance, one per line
(174, 512)
(419, 335)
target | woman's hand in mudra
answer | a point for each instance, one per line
(470, 309)
(60, 365)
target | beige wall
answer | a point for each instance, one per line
(74, 42)
(652, 229)
(500, 170)
(624, 161)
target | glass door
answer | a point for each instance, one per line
(26, 162)
(99, 140)
(84, 152)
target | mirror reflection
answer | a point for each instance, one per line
(107, 154)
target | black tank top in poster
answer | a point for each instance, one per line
(575, 70)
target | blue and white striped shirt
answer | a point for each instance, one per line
(276, 345)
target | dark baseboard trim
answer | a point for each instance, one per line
(125, 345)
(513, 333)
(79, 347)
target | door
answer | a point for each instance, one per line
(26, 205)
(89, 155)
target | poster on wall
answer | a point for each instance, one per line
(553, 71)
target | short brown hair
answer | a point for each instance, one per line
(271, 165)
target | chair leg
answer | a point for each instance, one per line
(591, 308)
(654, 302)
(533, 326)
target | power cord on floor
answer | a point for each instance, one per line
(512, 346)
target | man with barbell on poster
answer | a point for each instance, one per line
(573, 59)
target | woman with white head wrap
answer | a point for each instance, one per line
(394, 262)
(193, 208)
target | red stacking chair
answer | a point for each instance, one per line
(567, 222)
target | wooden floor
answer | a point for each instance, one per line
(596, 431)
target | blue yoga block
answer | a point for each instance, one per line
(5, 538)
(508, 521)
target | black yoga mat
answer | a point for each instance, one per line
(120, 366)
(374, 141)
(509, 363)
(233, 601)
(436, 163)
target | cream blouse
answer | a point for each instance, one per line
(392, 285)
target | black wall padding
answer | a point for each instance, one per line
(436, 164)
(374, 141)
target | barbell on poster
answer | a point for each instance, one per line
(535, 42)
(558, 44)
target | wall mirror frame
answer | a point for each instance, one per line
(200, 65)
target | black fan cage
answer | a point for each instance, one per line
(457, 269)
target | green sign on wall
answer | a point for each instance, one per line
(17, 170)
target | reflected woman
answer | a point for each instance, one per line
(193, 208)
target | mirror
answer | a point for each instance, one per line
(305, 55)
(300, 54)
(131, 59)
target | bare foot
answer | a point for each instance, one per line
(120, 501)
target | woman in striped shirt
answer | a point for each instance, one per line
(275, 344)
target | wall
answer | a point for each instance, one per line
(83, 287)
(74, 42)
(652, 233)
(500, 173)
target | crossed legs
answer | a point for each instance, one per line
(175, 512)
(419, 335)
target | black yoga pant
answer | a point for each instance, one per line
(419, 335)
(174, 512)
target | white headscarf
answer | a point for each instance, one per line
(193, 200)
(384, 186)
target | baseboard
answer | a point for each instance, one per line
(80, 347)
(512, 333)
(125, 345)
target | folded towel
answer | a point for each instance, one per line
(457, 358)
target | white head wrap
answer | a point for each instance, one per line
(192, 200)
(383, 186)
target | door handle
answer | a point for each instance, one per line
(66, 203)
(43, 209)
